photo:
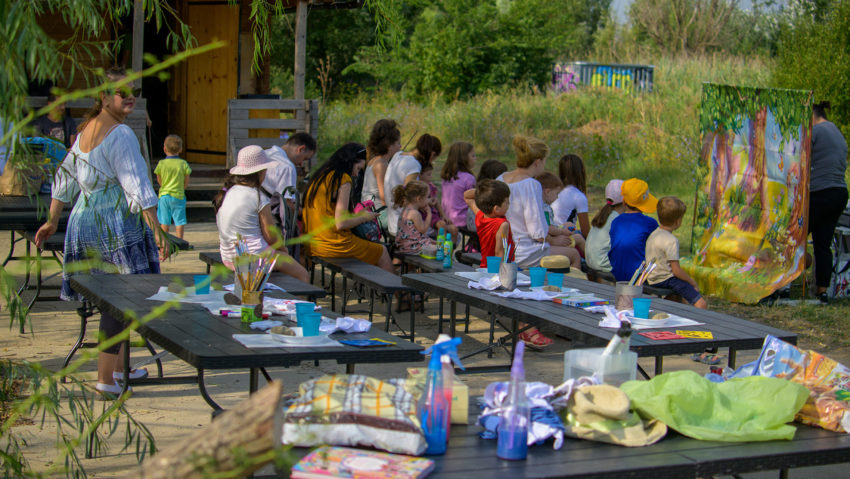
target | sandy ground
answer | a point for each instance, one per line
(173, 411)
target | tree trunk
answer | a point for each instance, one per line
(254, 426)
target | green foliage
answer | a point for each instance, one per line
(724, 108)
(815, 55)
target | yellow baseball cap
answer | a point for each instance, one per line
(636, 194)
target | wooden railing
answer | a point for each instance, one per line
(259, 122)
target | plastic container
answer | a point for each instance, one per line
(302, 309)
(625, 293)
(441, 238)
(538, 276)
(641, 307)
(493, 263)
(613, 369)
(202, 284)
(310, 324)
(448, 247)
(507, 275)
(555, 279)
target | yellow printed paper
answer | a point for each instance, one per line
(695, 334)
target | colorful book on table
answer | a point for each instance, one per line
(328, 461)
(581, 301)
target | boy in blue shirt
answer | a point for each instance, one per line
(630, 230)
(172, 173)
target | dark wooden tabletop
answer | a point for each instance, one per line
(205, 340)
(577, 324)
(675, 457)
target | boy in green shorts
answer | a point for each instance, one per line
(172, 173)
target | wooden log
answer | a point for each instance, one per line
(254, 426)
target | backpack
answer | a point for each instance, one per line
(284, 216)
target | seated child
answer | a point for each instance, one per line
(457, 179)
(412, 236)
(490, 201)
(599, 240)
(630, 230)
(490, 170)
(434, 205)
(663, 249)
(571, 205)
(172, 174)
(241, 210)
(552, 187)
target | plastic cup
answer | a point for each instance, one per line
(641, 307)
(493, 263)
(202, 284)
(538, 276)
(302, 309)
(555, 279)
(310, 324)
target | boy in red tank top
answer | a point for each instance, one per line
(490, 201)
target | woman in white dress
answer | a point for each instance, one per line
(384, 142)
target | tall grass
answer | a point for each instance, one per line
(653, 136)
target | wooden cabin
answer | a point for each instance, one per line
(193, 102)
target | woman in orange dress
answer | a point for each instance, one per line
(327, 211)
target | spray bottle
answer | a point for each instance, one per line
(446, 360)
(514, 421)
(441, 238)
(447, 251)
(435, 406)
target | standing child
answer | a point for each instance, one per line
(569, 238)
(490, 201)
(437, 214)
(630, 230)
(662, 248)
(412, 236)
(457, 178)
(598, 242)
(490, 170)
(172, 173)
(241, 211)
(571, 205)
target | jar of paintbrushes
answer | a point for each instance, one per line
(252, 273)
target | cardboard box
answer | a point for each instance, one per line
(460, 393)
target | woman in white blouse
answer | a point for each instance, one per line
(113, 218)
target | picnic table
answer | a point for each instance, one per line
(578, 324)
(676, 457)
(205, 340)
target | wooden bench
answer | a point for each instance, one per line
(379, 282)
(292, 286)
(426, 265)
(606, 277)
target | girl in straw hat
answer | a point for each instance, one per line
(242, 211)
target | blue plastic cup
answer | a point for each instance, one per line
(302, 309)
(493, 263)
(538, 276)
(555, 279)
(310, 324)
(202, 284)
(641, 307)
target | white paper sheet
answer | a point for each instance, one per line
(267, 341)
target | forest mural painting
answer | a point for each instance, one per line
(750, 222)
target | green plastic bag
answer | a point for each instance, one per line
(743, 409)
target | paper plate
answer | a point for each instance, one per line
(649, 323)
(299, 339)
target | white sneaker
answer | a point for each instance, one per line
(110, 391)
(134, 374)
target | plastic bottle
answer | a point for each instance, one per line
(447, 251)
(514, 421)
(619, 344)
(435, 407)
(441, 238)
(446, 360)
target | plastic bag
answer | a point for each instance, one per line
(738, 410)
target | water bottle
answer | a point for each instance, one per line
(447, 251)
(441, 238)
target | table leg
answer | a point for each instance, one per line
(466, 326)
(412, 320)
(344, 294)
(731, 362)
(659, 364)
(453, 323)
(125, 385)
(492, 334)
(253, 380)
(84, 312)
(208, 268)
(349, 368)
(371, 304)
(12, 242)
(440, 318)
(642, 372)
(783, 474)
(204, 393)
(389, 311)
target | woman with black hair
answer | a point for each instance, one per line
(327, 211)
(827, 192)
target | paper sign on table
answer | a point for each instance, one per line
(660, 335)
(695, 334)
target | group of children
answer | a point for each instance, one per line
(617, 240)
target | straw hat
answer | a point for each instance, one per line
(251, 159)
(636, 194)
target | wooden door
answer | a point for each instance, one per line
(211, 80)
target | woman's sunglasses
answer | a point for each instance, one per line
(124, 92)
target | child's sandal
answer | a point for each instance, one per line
(534, 339)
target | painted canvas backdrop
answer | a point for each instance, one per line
(750, 221)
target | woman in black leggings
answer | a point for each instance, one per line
(827, 192)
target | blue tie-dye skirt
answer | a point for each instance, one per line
(104, 237)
